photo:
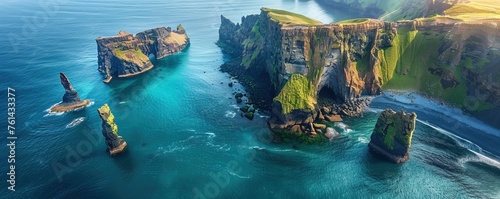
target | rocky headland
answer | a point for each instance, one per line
(317, 73)
(71, 99)
(115, 144)
(126, 55)
(391, 137)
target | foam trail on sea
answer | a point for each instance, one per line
(478, 151)
(75, 122)
(237, 175)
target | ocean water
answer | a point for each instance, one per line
(186, 138)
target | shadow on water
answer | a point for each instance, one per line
(125, 161)
(123, 89)
(380, 169)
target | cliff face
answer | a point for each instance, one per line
(115, 144)
(444, 58)
(126, 55)
(391, 137)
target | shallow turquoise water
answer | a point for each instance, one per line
(180, 123)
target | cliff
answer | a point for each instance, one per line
(71, 99)
(115, 144)
(391, 137)
(443, 57)
(126, 55)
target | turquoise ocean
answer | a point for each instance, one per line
(185, 136)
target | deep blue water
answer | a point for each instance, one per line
(184, 133)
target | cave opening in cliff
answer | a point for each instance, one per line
(326, 94)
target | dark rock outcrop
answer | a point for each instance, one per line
(115, 144)
(391, 137)
(248, 111)
(126, 55)
(71, 99)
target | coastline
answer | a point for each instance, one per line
(451, 119)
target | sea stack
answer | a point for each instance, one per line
(391, 137)
(114, 142)
(71, 99)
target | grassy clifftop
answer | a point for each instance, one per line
(290, 18)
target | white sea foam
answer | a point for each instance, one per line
(261, 115)
(237, 175)
(230, 114)
(477, 150)
(363, 140)
(50, 113)
(344, 127)
(75, 122)
(122, 102)
(210, 134)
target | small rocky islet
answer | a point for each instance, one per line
(391, 137)
(70, 100)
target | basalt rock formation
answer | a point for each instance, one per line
(443, 57)
(115, 144)
(71, 99)
(126, 55)
(391, 137)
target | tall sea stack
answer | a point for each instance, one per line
(71, 99)
(391, 137)
(114, 142)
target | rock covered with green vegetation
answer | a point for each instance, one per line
(443, 57)
(126, 55)
(115, 144)
(391, 137)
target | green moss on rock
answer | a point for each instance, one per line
(297, 94)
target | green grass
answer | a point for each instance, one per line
(391, 57)
(255, 41)
(362, 66)
(354, 21)
(290, 18)
(130, 54)
(389, 138)
(405, 66)
(297, 94)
